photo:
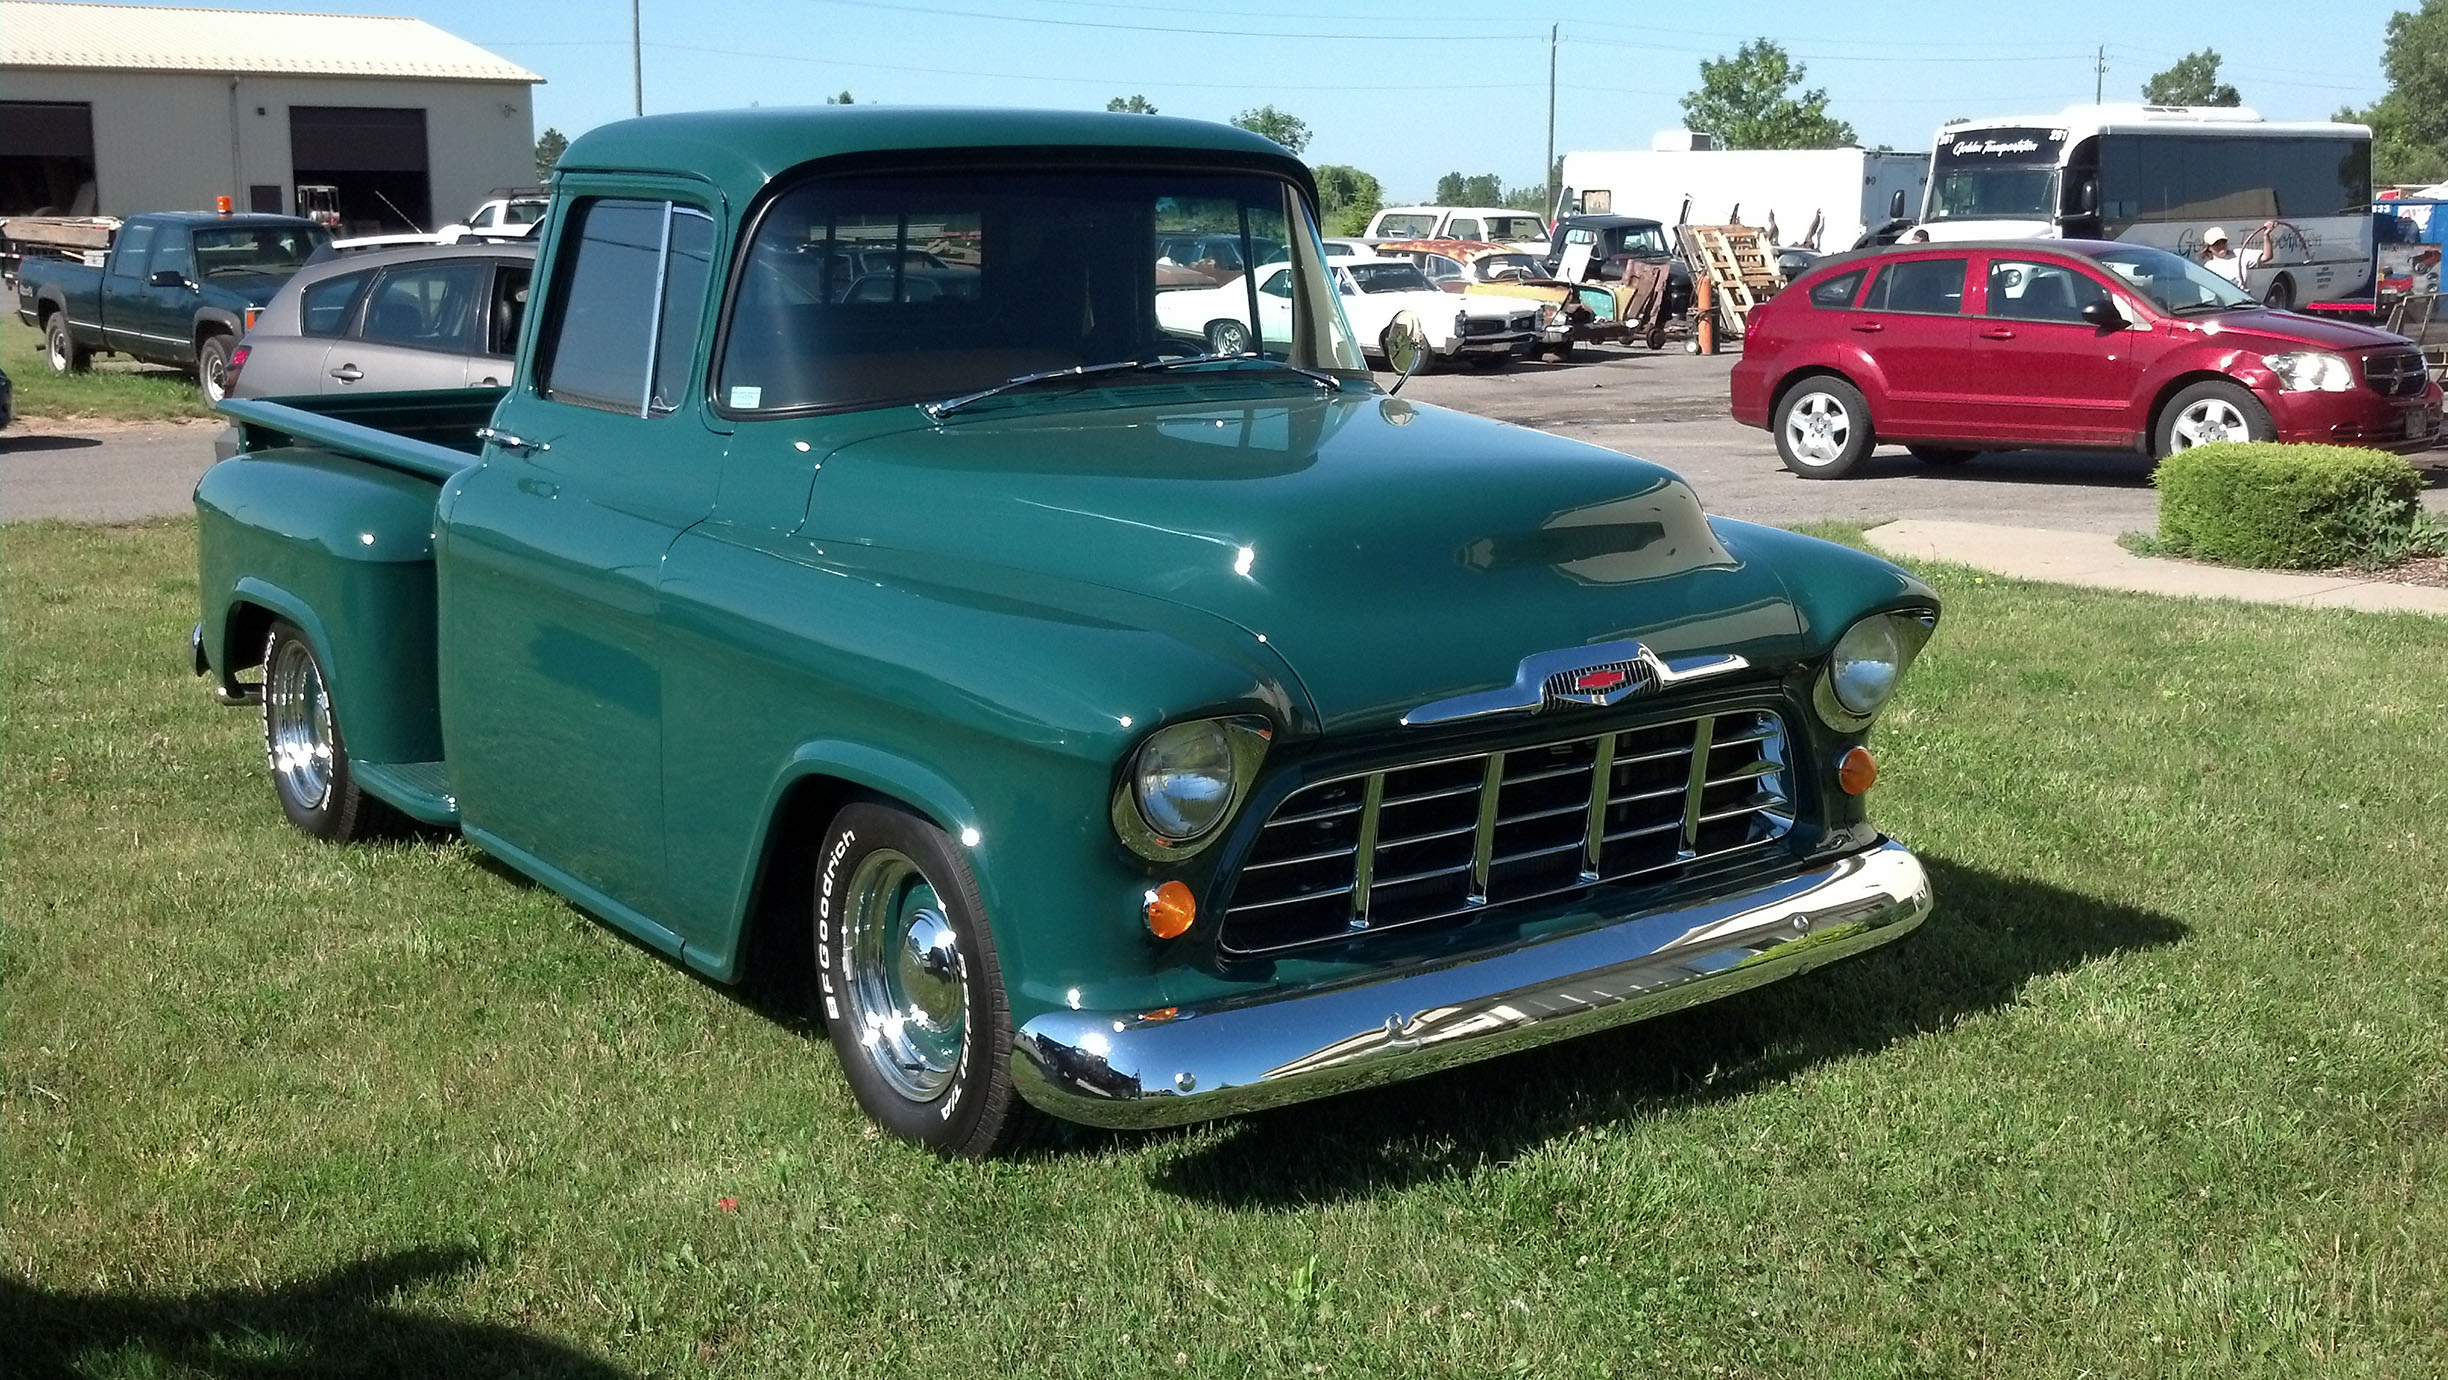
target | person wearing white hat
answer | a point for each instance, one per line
(2220, 259)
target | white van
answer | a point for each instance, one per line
(1522, 230)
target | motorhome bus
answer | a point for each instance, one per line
(2294, 198)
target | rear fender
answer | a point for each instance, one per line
(344, 550)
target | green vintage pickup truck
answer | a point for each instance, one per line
(858, 576)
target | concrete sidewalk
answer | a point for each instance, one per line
(2089, 558)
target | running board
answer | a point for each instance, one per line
(420, 790)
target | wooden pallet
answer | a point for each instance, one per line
(1739, 261)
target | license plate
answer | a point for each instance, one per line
(2418, 425)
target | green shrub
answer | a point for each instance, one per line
(2258, 503)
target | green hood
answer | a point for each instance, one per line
(1391, 553)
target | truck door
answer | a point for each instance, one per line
(124, 293)
(552, 548)
(169, 308)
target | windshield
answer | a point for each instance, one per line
(2011, 193)
(1494, 266)
(1405, 227)
(1390, 278)
(239, 251)
(2178, 285)
(1516, 228)
(525, 212)
(865, 290)
(1643, 241)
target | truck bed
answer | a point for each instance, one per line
(430, 433)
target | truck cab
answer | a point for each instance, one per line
(863, 575)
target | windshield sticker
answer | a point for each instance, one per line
(744, 396)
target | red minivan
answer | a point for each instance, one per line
(1954, 349)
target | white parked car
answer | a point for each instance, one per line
(1522, 230)
(1485, 331)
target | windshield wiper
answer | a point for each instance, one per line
(937, 411)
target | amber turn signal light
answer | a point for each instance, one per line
(1857, 771)
(1170, 909)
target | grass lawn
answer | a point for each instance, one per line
(117, 389)
(2161, 1090)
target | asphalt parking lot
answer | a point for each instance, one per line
(1666, 406)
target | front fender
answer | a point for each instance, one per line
(344, 550)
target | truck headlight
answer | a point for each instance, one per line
(1869, 661)
(2311, 371)
(1183, 783)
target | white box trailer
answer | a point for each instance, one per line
(1845, 190)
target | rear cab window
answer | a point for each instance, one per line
(1932, 287)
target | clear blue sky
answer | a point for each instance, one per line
(1413, 90)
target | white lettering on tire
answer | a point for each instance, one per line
(824, 922)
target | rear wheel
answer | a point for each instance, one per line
(1941, 455)
(60, 349)
(305, 750)
(1822, 428)
(2209, 412)
(2281, 293)
(912, 989)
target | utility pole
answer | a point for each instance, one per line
(2099, 74)
(637, 64)
(1552, 30)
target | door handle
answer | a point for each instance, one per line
(1868, 327)
(1997, 333)
(508, 442)
(348, 373)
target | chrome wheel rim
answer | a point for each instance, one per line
(298, 726)
(1818, 428)
(909, 1001)
(59, 352)
(209, 378)
(2211, 419)
(1228, 338)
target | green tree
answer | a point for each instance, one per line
(2410, 123)
(1347, 197)
(1282, 126)
(842, 99)
(1134, 105)
(2192, 81)
(550, 145)
(1479, 189)
(1749, 102)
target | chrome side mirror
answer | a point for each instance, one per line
(1406, 346)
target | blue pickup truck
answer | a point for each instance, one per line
(178, 288)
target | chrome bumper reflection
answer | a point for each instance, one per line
(1129, 1070)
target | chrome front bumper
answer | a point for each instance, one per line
(1139, 1070)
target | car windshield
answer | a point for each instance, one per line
(2178, 285)
(1516, 228)
(863, 290)
(1390, 278)
(238, 251)
(2026, 193)
(1405, 226)
(525, 212)
(1493, 266)
(1644, 241)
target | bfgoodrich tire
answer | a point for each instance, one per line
(911, 985)
(2207, 412)
(1822, 428)
(305, 750)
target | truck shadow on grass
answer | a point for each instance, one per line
(341, 1322)
(1990, 936)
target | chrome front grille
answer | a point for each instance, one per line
(2395, 374)
(1429, 841)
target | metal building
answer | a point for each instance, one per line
(115, 109)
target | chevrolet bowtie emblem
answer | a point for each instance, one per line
(1598, 676)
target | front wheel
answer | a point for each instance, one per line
(1823, 428)
(212, 367)
(2208, 412)
(912, 989)
(303, 745)
(1227, 338)
(60, 349)
(2281, 294)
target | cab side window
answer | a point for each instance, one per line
(1837, 291)
(2022, 290)
(633, 280)
(1462, 229)
(170, 251)
(1930, 286)
(133, 248)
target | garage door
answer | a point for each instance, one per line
(46, 158)
(376, 157)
